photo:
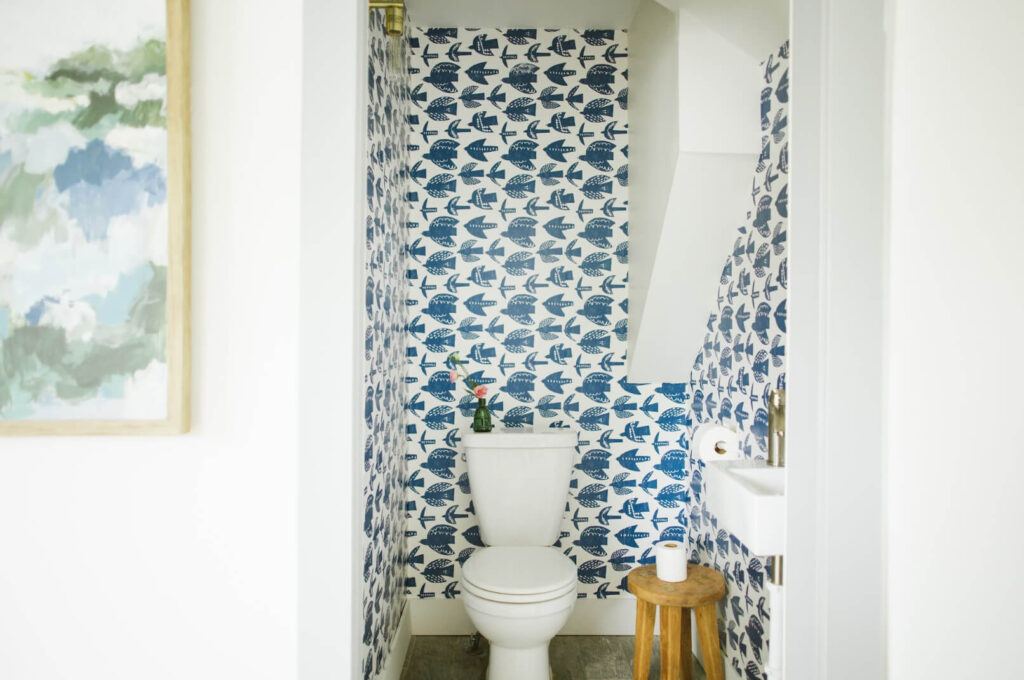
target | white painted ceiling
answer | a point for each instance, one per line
(522, 13)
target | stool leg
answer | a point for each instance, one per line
(644, 639)
(671, 632)
(707, 628)
(686, 645)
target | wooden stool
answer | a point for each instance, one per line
(702, 589)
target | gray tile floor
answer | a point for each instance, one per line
(573, 657)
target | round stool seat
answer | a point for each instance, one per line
(702, 586)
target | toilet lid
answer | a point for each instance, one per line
(519, 570)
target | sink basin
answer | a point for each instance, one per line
(749, 500)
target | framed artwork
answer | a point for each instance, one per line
(94, 217)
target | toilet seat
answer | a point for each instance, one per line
(519, 574)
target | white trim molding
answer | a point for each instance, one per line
(835, 578)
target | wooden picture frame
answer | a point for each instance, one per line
(178, 263)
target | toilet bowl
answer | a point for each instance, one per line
(519, 590)
(519, 597)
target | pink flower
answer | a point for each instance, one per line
(480, 391)
(453, 376)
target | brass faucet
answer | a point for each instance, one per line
(777, 428)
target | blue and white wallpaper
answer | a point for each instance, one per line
(383, 538)
(518, 245)
(742, 360)
(515, 255)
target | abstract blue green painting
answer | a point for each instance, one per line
(93, 216)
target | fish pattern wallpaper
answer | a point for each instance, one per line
(83, 213)
(518, 258)
(383, 537)
(742, 360)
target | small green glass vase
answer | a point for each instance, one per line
(482, 417)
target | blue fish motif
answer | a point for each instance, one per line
(593, 540)
(560, 276)
(482, 276)
(590, 571)
(478, 227)
(519, 416)
(522, 77)
(521, 231)
(470, 98)
(630, 535)
(673, 420)
(483, 199)
(519, 386)
(674, 464)
(634, 508)
(621, 560)
(521, 154)
(443, 76)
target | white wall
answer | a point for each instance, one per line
(176, 557)
(956, 431)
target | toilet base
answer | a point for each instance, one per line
(529, 663)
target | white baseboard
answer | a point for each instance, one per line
(590, 616)
(399, 647)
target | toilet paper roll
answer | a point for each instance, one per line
(670, 561)
(712, 441)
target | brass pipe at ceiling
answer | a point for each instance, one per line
(394, 15)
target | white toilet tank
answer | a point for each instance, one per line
(519, 480)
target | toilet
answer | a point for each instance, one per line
(519, 590)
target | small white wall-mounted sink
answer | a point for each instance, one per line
(749, 500)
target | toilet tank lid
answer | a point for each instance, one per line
(503, 438)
